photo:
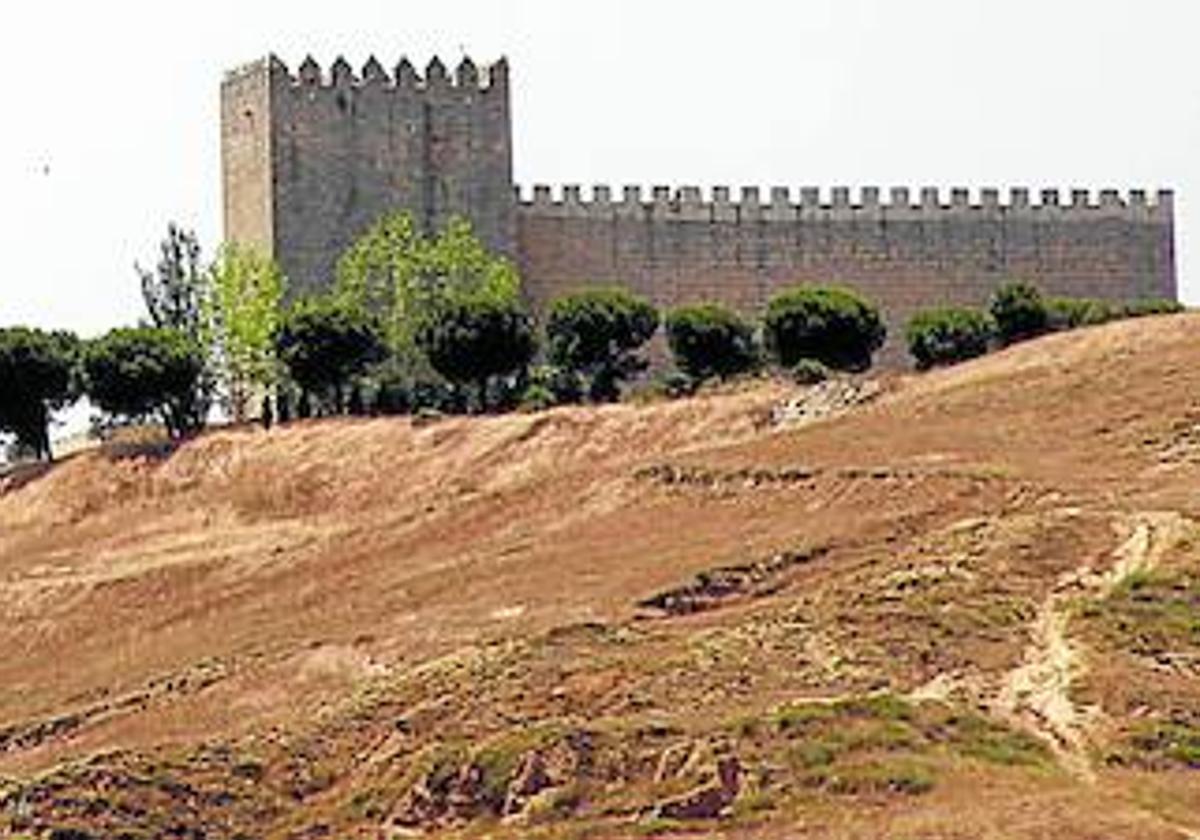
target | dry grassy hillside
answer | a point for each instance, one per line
(969, 608)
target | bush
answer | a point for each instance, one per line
(563, 385)
(809, 372)
(947, 335)
(1151, 306)
(710, 340)
(1019, 311)
(833, 325)
(1065, 313)
(136, 371)
(596, 333)
(537, 397)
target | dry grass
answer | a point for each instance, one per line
(344, 624)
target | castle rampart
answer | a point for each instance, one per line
(916, 249)
(312, 158)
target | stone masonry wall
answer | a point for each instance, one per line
(342, 149)
(245, 156)
(310, 160)
(904, 254)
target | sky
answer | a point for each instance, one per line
(111, 130)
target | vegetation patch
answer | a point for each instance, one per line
(1153, 614)
(879, 743)
(714, 587)
(1160, 745)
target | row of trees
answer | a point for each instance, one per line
(1017, 312)
(415, 321)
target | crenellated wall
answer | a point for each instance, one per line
(912, 250)
(339, 149)
(311, 159)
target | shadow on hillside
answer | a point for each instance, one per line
(151, 450)
(16, 476)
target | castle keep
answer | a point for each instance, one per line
(311, 159)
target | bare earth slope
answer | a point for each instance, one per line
(969, 608)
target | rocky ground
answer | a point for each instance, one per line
(964, 604)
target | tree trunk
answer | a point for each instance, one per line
(482, 385)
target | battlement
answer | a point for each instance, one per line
(467, 76)
(312, 156)
(781, 203)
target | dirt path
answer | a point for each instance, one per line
(1037, 694)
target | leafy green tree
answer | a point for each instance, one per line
(946, 335)
(244, 312)
(137, 372)
(36, 378)
(176, 294)
(709, 339)
(1020, 312)
(472, 340)
(325, 343)
(596, 333)
(831, 324)
(406, 277)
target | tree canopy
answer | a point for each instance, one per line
(1020, 312)
(136, 372)
(176, 294)
(596, 333)
(36, 378)
(476, 338)
(708, 339)
(946, 335)
(326, 342)
(396, 272)
(831, 324)
(244, 313)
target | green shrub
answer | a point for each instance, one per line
(564, 385)
(833, 325)
(809, 372)
(948, 335)
(1064, 313)
(1019, 312)
(596, 334)
(537, 397)
(710, 340)
(1151, 306)
(677, 383)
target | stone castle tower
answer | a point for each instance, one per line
(311, 159)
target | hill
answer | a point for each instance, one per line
(966, 608)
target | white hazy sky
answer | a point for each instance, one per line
(110, 109)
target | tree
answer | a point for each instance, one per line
(244, 311)
(830, 324)
(394, 271)
(37, 377)
(474, 339)
(176, 297)
(135, 372)
(596, 334)
(1020, 312)
(325, 342)
(947, 335)
(709, 339)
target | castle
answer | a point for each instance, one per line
(311, 159)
